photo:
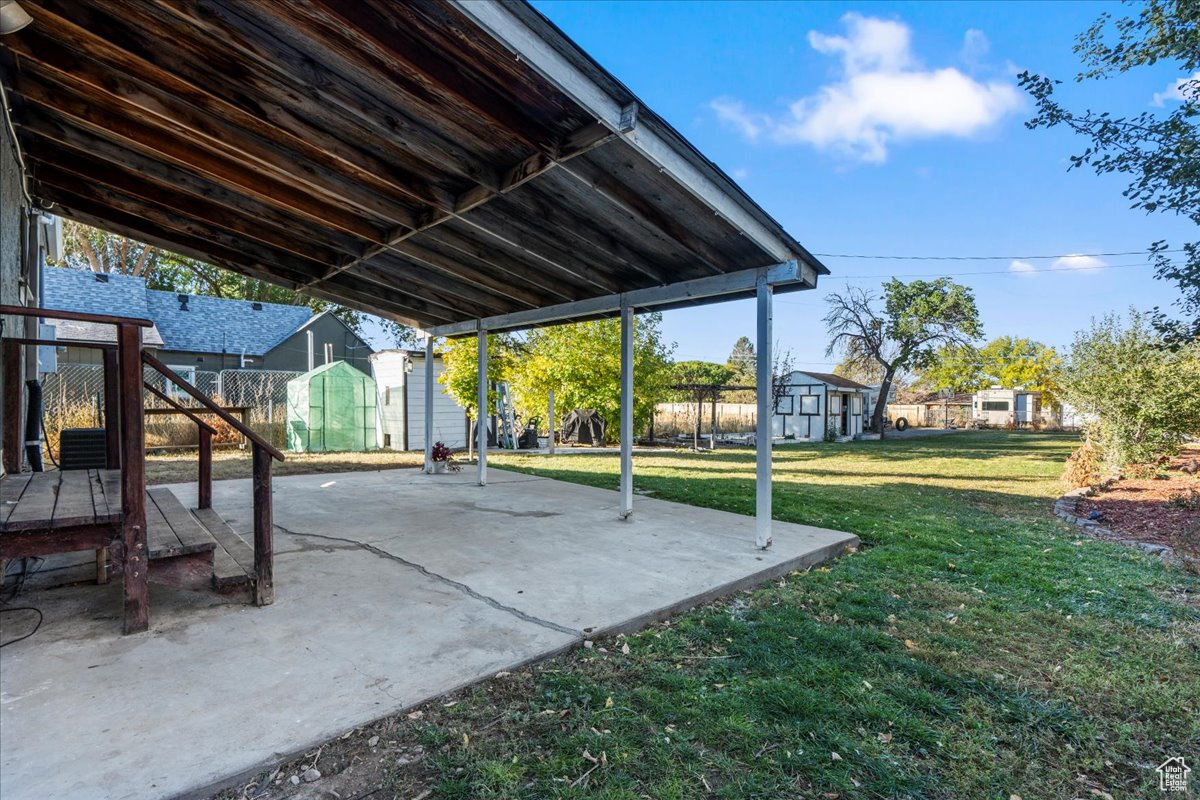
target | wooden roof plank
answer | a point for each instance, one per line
(89, 56)
(121, 97)
(68, 122)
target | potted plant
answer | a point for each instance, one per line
(443, 459)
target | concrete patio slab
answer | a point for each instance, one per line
(392, 587)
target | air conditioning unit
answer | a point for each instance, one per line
(82, 448)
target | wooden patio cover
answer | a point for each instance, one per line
(433, 162)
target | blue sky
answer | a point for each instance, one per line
(892, 129)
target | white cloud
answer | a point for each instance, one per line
(733, 113)
(882, 96)
(1022, 267)
(975, 47)
(1077, 262)
(1180, 90)
(740, 173)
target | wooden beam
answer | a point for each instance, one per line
(135, 554)
(75, 144)
(286, 69)
(579, 142)
(392, 45)
(122, 98)
(61, 44)
(356, 293)
(68, 171)
(459, 270)
(76, 123)
(638, 208)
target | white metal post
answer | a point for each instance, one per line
(626, 411)
(550, 411)
(481, 413)
(762, 479)
(429, 403)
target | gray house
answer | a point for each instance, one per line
(198, 331)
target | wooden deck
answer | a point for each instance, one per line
(53, 512)
(55, 500)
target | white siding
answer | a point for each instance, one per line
(449, 419)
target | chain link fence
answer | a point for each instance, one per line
(73, 397)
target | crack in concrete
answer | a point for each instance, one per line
(461, 587)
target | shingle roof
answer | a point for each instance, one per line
(835, 380)
(209, 325)
(222, 325)
(95, 293)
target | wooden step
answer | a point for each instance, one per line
(170, 530)
(233, 560)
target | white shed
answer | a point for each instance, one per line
(400, 382)
(816, 402)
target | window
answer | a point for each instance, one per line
(995, 405)
(810, 404)
(188, 373)
(786, 405)
(856, 404)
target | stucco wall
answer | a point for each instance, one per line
(10, 238)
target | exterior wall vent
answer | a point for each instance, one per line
(101, 277)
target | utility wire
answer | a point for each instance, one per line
(986, 258)
(836, 277)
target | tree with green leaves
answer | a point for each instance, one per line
(1142, 391)
(742, 361)
(460, 369)
(1159, 152)
(1007, 361)
(701, 373)
(916, 319)
(581, 364)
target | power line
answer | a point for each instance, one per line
(987, 258)
(988, 272)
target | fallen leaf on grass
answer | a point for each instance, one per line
(836, 756)
(885, 737)
(910, 644)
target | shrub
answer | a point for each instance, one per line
(1085, 467)
(1142, 390)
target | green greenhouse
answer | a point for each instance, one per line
(331, 409)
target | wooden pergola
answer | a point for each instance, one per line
(462, 167)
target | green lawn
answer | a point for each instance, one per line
(974, 648)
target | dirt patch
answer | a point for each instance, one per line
(1155, 510)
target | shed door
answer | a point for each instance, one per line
(1022, 408)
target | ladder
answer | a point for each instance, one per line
(506, 433)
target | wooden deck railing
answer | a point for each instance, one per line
(123, 404)
(124, 422)
(263, 454)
